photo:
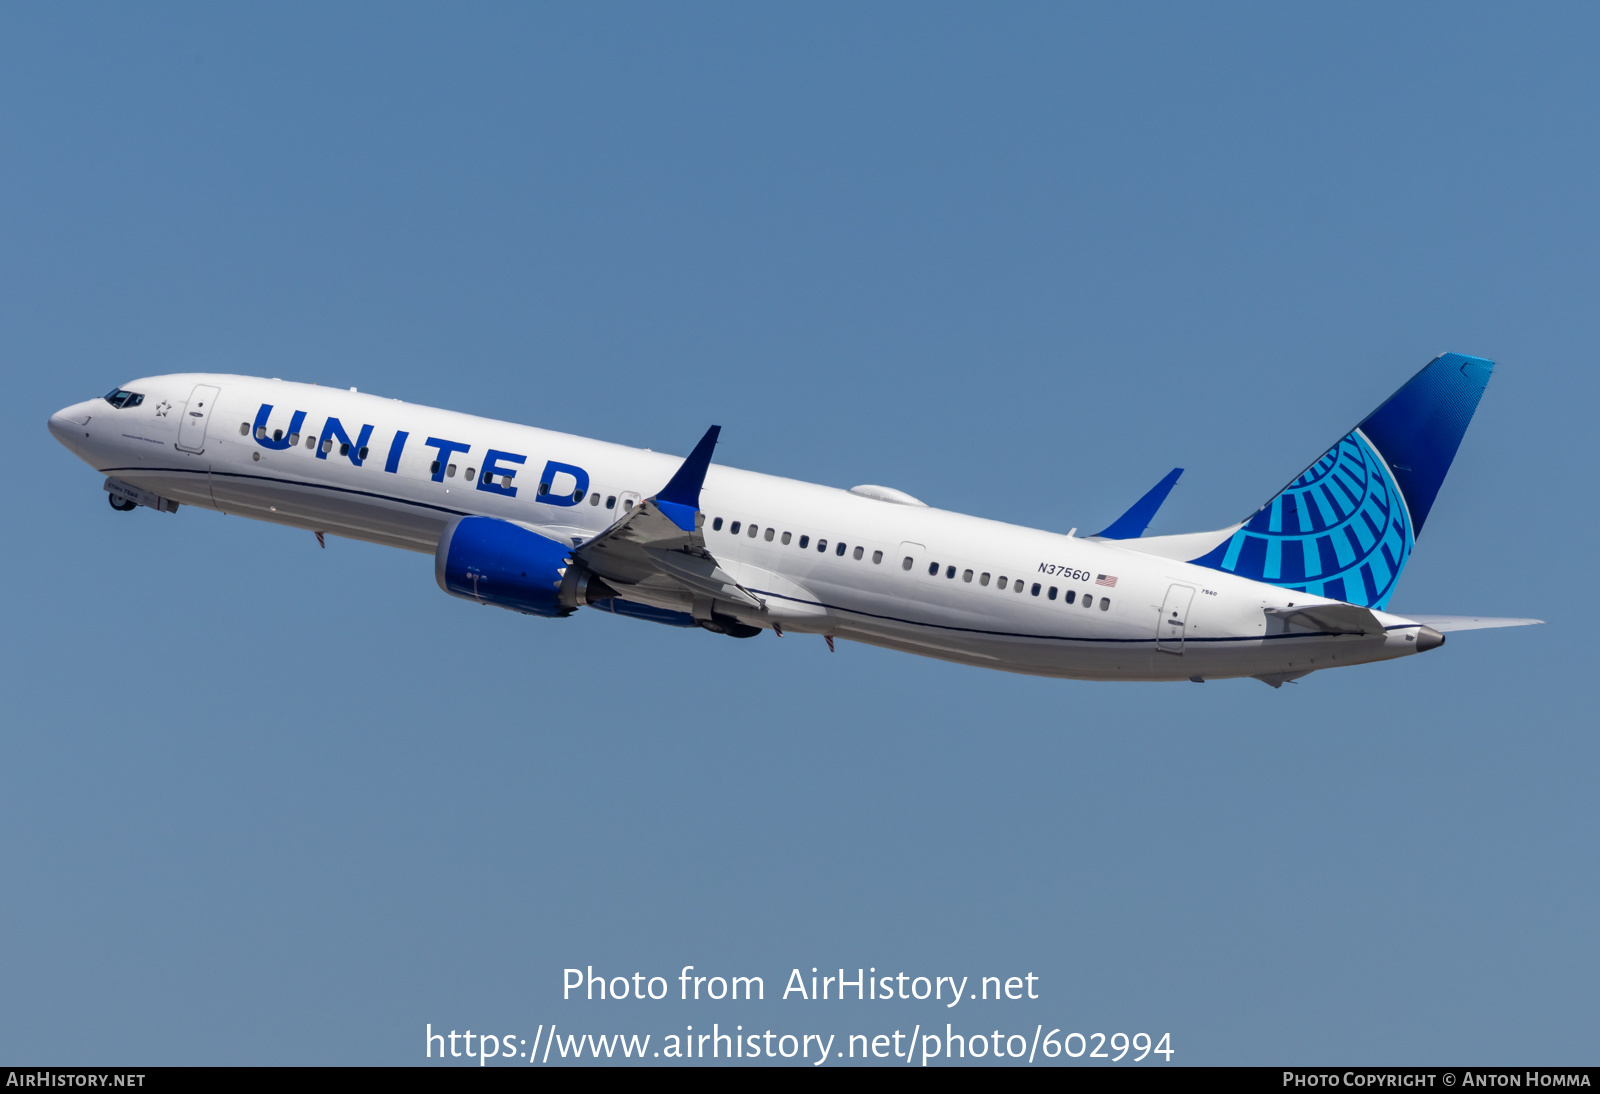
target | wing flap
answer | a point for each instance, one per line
(701, 574)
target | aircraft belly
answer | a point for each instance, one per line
(377, 520)
(1089, 660)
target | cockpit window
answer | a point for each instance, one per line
(123, 399)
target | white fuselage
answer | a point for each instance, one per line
(975, 591)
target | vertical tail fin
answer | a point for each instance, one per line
(1345, 527)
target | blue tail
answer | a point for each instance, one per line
(1345, 528)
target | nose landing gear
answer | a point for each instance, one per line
(126, 497)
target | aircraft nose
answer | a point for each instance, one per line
(67, 423)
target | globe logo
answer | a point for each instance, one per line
(1340, 530)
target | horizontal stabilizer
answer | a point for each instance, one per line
(1443, 623)
(1328, 619)
(1131, 525)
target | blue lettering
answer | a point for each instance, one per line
(491, 468)
(260, 430)
(396, 446)
(548, 478)
(446, 448)
(334, 428)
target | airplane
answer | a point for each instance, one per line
(1298, 586)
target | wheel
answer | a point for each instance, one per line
(726, 624)
(121, 505)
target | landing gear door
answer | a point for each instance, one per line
(1174, 619)
(192, 426)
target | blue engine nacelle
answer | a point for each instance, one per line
(496, 562)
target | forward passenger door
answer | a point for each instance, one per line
(196, 413)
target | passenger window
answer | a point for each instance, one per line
(716, 525)
(822, 545)
(857, 553)
(1017, 585)
(804, 540)
(471, 471)
(611, 503)
(767, 535)
(361, 453)
(627, 505)
(577, 495)
(1052, 593)
(950, 572)
(595, 500)
(786, 538)
(733, 529)
(933, 569)
(983, 579)
(1088, 601)
(966, 575)
(1035, 588)
(753, 531)
(327, 446)
(839, 550)
(433, 468)
(1001, 584)
(294, 439)
(311, 442)
(277, 435)
(244, 429)
(449, 472)
(1104, 604)
(544, 488)
(1072, 594)
(877, 558)
(906, 565)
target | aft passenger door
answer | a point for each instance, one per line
(192, 426)
(1174, 619)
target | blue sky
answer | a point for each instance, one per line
(266, 803)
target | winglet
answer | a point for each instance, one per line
(1131, 525)
(680, 498)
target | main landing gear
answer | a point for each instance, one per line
(726, 624)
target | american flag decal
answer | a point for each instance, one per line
(1108, 580)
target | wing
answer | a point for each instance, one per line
(1131, 525)
(659, 542)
